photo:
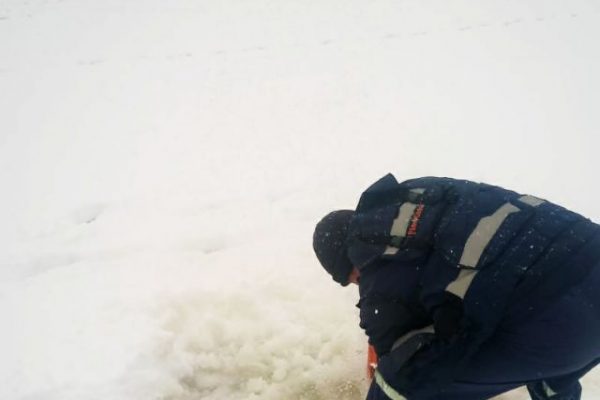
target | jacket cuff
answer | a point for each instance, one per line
(387, 388)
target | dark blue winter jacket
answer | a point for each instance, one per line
(456, 257)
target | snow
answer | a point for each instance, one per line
(164, 164)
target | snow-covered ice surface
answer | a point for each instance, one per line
(162, 166)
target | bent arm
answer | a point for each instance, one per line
(422, 365)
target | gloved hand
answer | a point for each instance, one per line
(447, 317)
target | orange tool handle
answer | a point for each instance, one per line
(372, 360)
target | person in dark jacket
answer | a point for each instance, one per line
(468, 290)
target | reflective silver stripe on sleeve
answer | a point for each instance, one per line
(531, 200)
(400, 224)
(481, 236)
(406, 337)
(386, 388)
(460, 286)
(418, 190)
(483, 233)
(486, 229)
(390, 250)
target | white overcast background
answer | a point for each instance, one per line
(163, 163)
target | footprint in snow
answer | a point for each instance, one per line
(208, 245)
(87, 214)
(91, 63)
(179, 56)
(512, 22)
